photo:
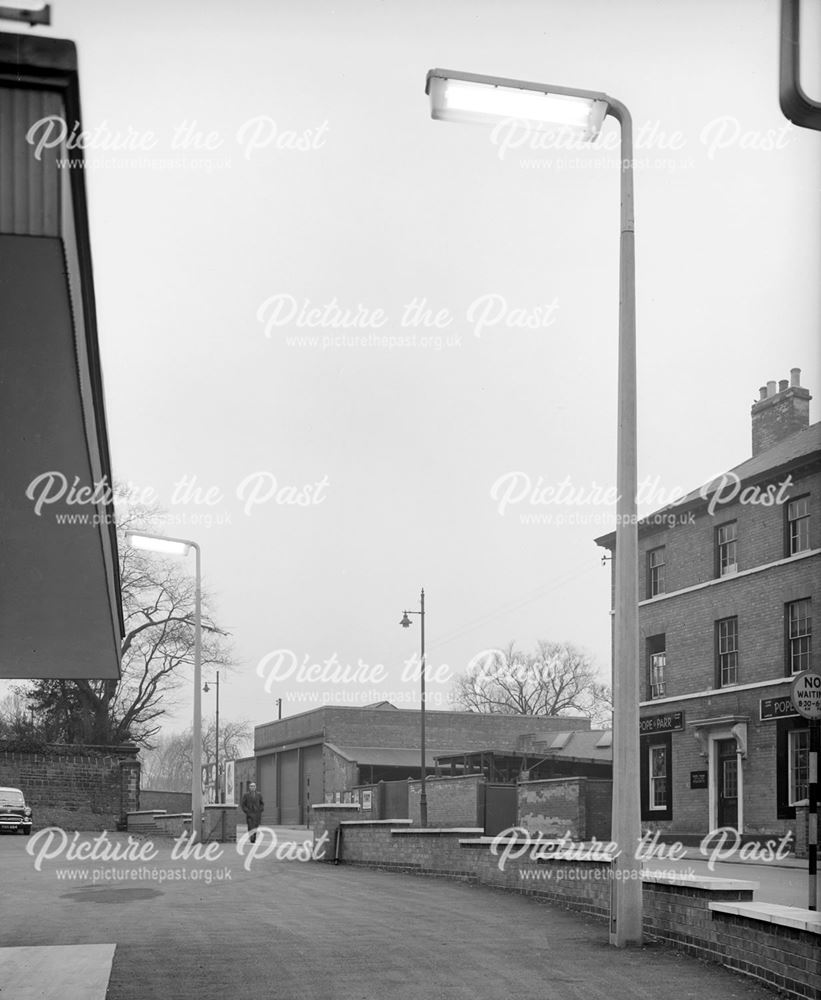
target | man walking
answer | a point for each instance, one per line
(252, 805)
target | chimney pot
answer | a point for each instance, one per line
(782, 409)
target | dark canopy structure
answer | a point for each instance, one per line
(60, 612)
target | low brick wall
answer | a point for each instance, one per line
(75, 787)
(451, 801)
(220, 823)
(710, 918)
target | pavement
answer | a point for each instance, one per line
(289, 930)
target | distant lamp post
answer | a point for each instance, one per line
(181, 547)
(206, 689)
(406, 623)
(466, 97)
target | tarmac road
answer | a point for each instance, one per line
(289, 930)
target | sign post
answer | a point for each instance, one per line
(806, 698)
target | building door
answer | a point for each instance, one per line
(727, 783)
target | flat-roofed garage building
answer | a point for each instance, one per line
(308, 758)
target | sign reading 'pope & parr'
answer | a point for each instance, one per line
(668, 723)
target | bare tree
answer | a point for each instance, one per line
(556, 679)
(168, 764)
(157, 650)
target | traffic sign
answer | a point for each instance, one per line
(806, 694)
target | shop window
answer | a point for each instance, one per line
(656, 776)
(798, 763)
(657, 794)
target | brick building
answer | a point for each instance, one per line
(312, 756)
(728, 577)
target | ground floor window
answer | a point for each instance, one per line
(799, 764)
(658, 778)
(792, 764)
(656, 765)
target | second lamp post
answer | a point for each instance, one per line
(406, 623)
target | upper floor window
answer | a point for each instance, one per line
(655, 572)
(799, 764)
(727, 651)
(726, 548)
(657, 664)
(798, 525)
(799, 635)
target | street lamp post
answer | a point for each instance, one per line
(406, 623)
(466, 97)
(217, 739)
(181, 547)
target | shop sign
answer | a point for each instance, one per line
(777, 708)
(668, 723)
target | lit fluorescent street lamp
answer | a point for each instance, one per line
(466, 97)
(181, 547)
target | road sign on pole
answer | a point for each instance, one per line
(806, 698)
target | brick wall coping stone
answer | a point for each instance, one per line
(336, 805)
(176, 815)
(708, 882)
(373, 822)
(482, 841)
(452, 777)
(773, 913)
(216, 805)
(146, 812)
(437, 831)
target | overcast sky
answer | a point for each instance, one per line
(288, 162)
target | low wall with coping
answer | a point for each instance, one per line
(710, 918)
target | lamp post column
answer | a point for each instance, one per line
(626, 886)
(423, 797)
(217, 744)
(196, 754)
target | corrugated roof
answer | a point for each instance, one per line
(583, 746)
(387, 756)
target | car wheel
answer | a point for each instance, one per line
(25, 830)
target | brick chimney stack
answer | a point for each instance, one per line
(782, 409)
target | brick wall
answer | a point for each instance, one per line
(172, 802)
(579, 807)
(690, 548)
(77, 788)
(340, 774)
(451, 801)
